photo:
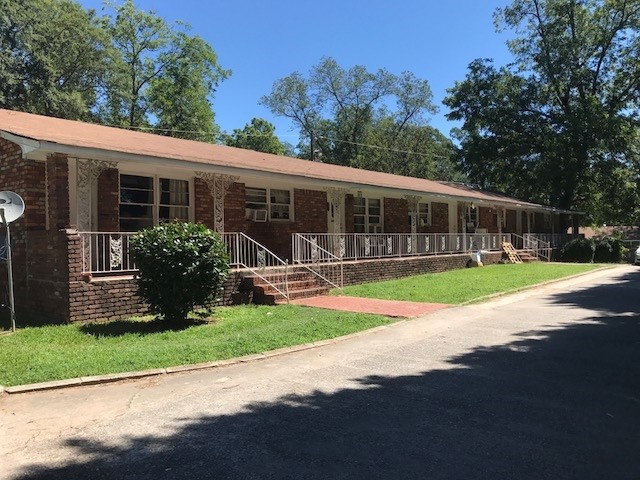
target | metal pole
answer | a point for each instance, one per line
(9, 272)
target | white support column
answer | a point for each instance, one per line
(335, 197)
(87, 173)
(412, 204)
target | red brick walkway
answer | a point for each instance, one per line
(390, 308)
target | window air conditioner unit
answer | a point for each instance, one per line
(259, 215)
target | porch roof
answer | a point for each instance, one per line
(85, 140)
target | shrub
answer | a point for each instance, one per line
(578, 250)
(181, 265)
(609, 249)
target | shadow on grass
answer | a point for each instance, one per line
(560, 402)
(118, 328)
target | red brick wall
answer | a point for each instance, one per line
(58, 191)
(310, 213)
(396, 215)
(439, 219)
(487, 219)
(511, 219)
(203, 203)
(234, 202)
(388, 269)
(109, 200)
(348, 214)
(39, 256)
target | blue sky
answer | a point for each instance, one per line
(263, 41)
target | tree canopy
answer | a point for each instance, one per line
(559, 125)
(125, 69)
(53, 57)
(354, 117)
(258, 135)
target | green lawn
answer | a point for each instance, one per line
(46, 353)
(40, 354)
(459, 286)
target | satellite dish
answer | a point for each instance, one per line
(12, 204)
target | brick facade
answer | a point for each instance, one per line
(439, 219)
(396, 215)
(40, 267)
(391, 268)
(109, 200)
(310, 215)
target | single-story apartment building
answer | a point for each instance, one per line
(88, 187)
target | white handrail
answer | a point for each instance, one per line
(322, 259)
(246, 253)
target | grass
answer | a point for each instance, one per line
(39, 354)
(459, 286)
(46, 353)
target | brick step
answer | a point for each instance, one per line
(292, 276)
(306, 293)
(297, 285)
(527, 256)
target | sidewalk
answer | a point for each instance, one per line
(390, 308)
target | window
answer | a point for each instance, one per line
(472, 215)
(547, 221)
(367, 215)
(424, 214)
(147, 201)
(275, 202)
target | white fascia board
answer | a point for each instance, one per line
(27, 145)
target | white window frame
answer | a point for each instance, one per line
(254, 214)
(155, 206)
(424, 220)
(369, 227)
(469, 218)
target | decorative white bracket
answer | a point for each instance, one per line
(218, 186)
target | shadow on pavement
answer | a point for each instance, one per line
(559, 403)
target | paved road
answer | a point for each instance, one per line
(539, 385)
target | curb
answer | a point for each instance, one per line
(117, 377)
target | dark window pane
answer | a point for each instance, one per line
(135, 181)
(128, 195)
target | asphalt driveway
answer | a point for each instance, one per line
(542, 384)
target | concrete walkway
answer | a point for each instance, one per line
(390, 308)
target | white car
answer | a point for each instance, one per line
(637, 257)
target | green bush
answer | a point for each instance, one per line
(578, 250)
(609, 249)
(180, 265)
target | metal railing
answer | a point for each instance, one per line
(361, 246)
(326, 266)
(109, 253)
(246, 253)
(106, 252)
(555, 240)
(539, 248)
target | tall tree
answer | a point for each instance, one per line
(549, 125)
(53, 57)
(258, 135)
(191, 77)
(342, 113)
(159, 63)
